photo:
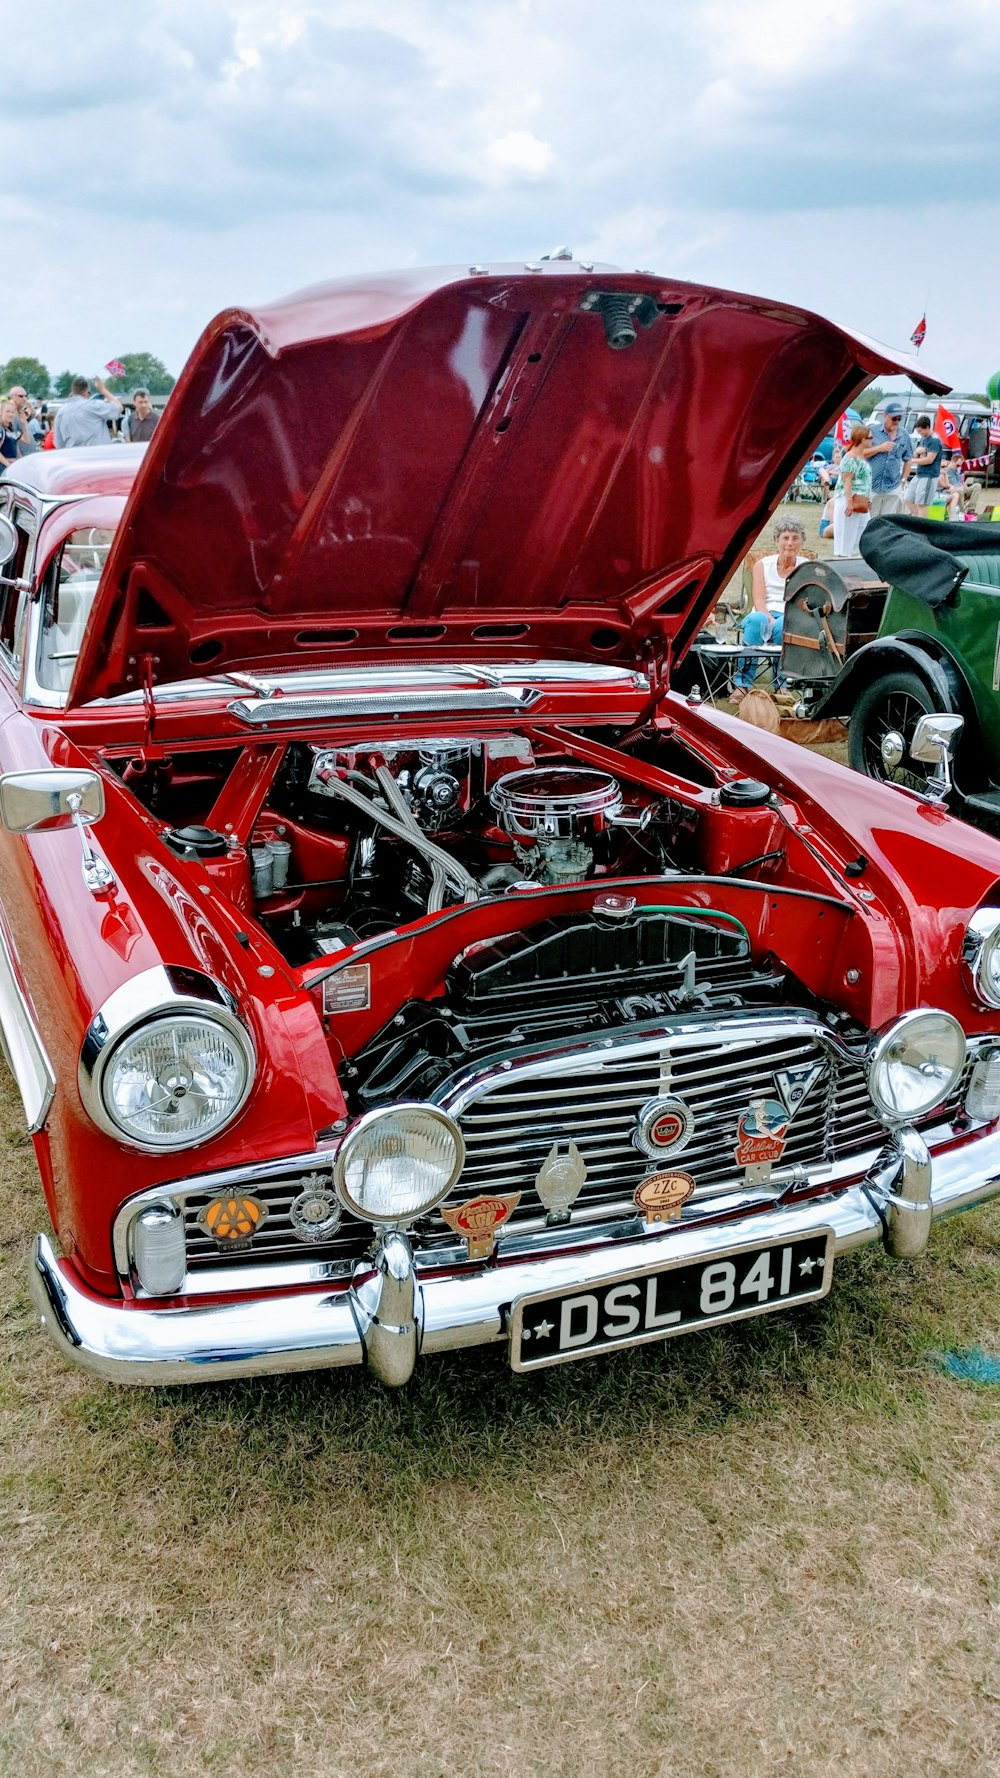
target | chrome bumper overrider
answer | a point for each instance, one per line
(389, 1315)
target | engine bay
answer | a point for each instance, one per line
(353, 841)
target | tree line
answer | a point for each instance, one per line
(142, 371)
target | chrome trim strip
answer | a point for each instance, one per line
(26, 1054)
(260, 1335)
(634, 1043)
(261, 712)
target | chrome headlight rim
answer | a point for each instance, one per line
(360, 1130)
(157, 997)
(886, 1039)
(980, 946)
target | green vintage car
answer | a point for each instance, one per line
(909, 629)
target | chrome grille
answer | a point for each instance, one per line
(510, 1121)
(510, 1128)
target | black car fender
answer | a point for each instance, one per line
(911, 652)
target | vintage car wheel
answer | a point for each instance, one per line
(881, 729)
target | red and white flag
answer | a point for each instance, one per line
(919, 333)
(115, 367)
(995, 424)
(946, 427)
(842, 430)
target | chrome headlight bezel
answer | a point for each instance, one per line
(981, 956)
(880, 1056)
(153, 998)
(361, 1132)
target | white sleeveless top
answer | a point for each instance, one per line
(774, 586)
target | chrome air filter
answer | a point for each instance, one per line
(556, 803)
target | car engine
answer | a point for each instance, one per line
(355, 841)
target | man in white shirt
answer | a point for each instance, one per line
(83, 419)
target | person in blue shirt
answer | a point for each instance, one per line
(923, 489)
(889, 453)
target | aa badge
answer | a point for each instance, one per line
(232, 1219)
(478, 1221)
(662, 1196)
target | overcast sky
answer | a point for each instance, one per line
(163, 159)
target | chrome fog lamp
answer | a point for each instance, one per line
(157, 1244)
(398, 1162)
(914, 1064)
(981, 955)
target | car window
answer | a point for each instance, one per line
(70, 585)
(14, 602)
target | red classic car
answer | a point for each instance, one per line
(389, 961)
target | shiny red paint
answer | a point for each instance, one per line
(452, 464)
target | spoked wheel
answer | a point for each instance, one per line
(881, 730)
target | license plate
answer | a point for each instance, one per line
(637, 1307)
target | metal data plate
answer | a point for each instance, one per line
(637, 1307)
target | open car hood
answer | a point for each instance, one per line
(555, 461)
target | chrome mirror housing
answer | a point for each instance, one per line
(8, 541)
(40, 802)
(36, 802)
(935, 742)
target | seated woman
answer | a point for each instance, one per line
(766, 619)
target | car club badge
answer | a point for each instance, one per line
(762, 1130)
(478, 1221)
(232, 1219)
(315, 1214)
(559, 1181)
(662, 1196)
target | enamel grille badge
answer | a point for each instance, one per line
(761, 1132)
(662, 1196)
(665, 1124)
(478, 1221)
(233, 1219)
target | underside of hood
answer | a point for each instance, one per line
(554, 461)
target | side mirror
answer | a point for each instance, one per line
(37, 802)
(935, 742)
(8, 541)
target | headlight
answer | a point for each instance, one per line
(396, 1163)
(166, 1064)
(981, 955)
(915, 1063)
(176, 1082)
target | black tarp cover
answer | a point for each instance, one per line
(918, 555)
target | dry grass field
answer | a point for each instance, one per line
(771, 1549)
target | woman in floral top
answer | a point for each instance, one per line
(852, 496)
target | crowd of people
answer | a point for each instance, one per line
(85, 417)
(882, 470)
(885, 470)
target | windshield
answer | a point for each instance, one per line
(70, 585)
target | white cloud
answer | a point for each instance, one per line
(520, 155)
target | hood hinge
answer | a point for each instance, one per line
(149, 749)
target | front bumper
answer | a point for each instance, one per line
(388, 1317)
